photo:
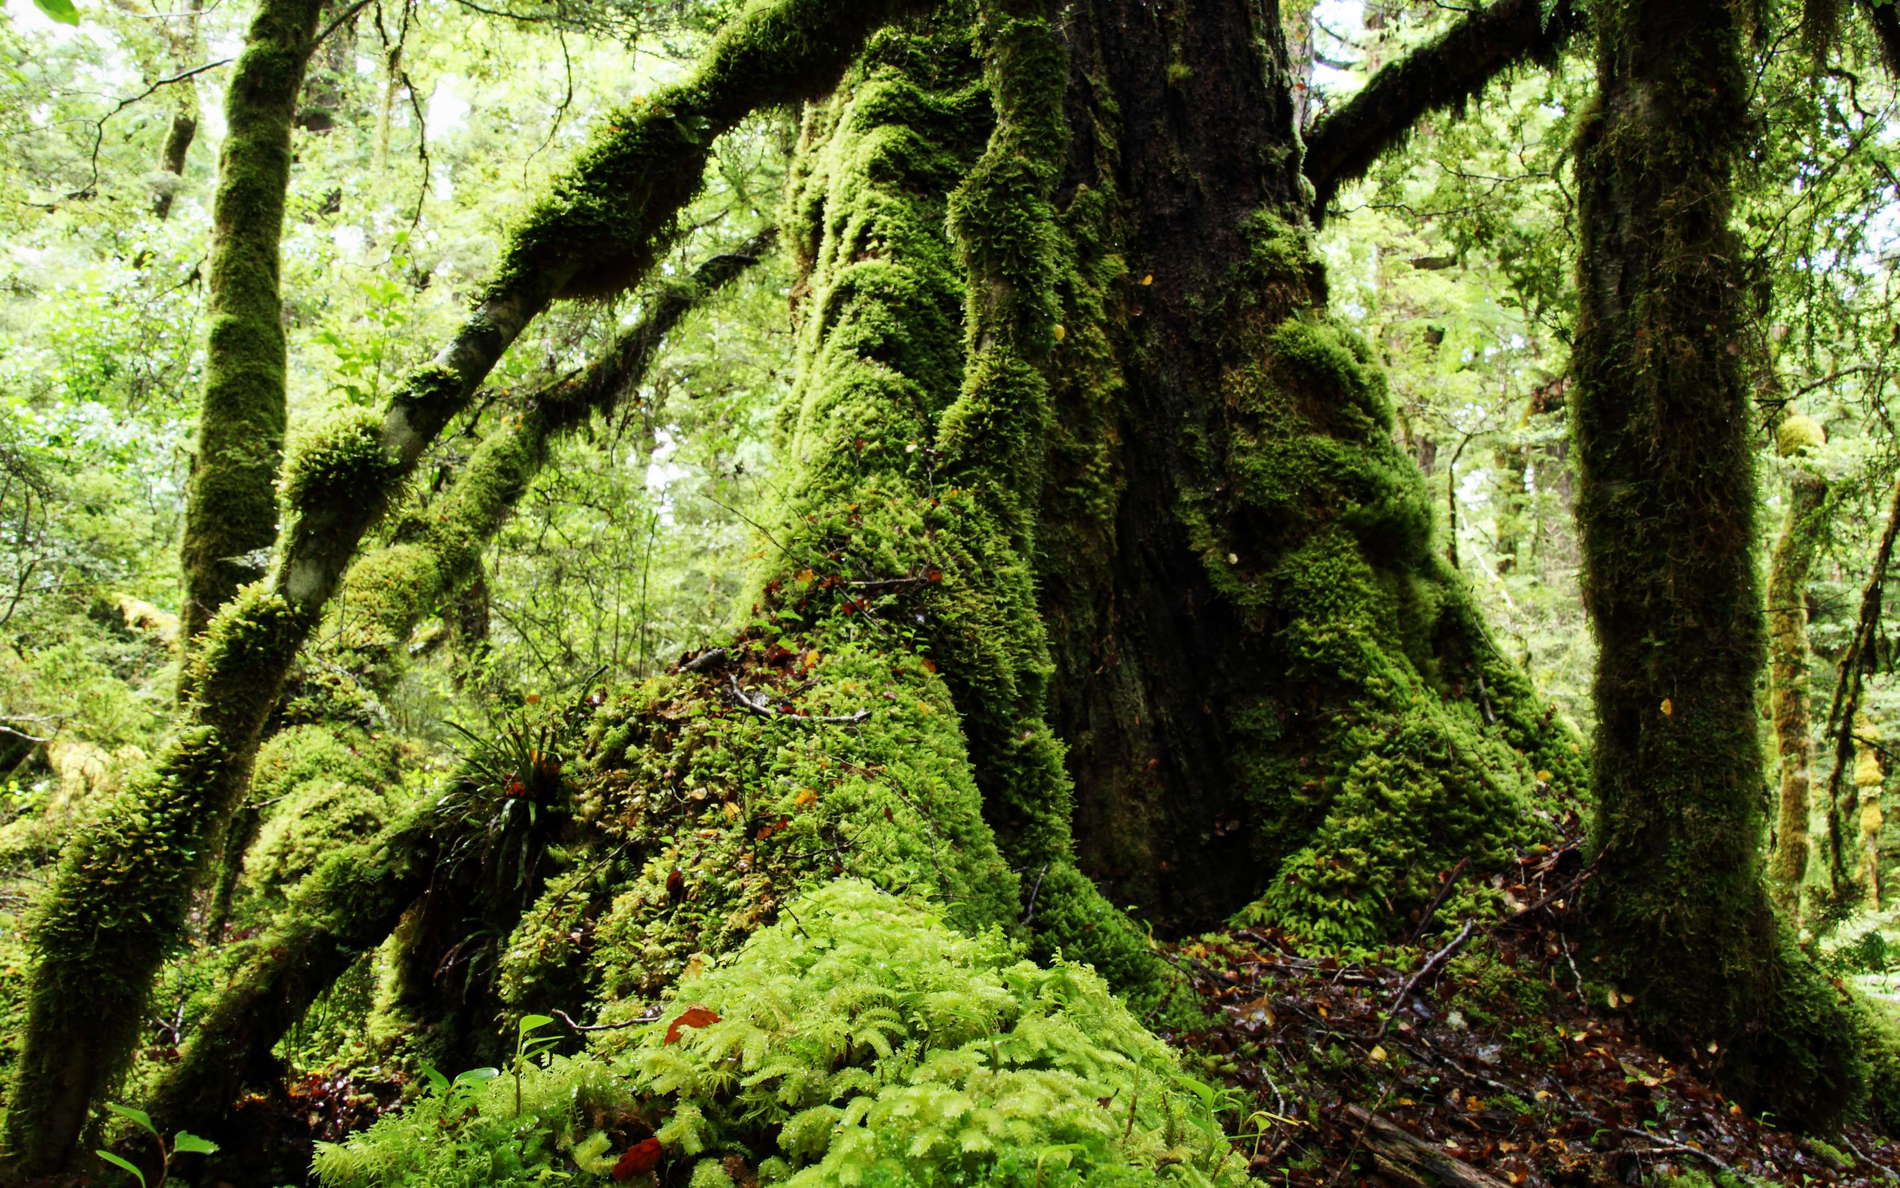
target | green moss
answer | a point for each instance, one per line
(859, 1041)
(1281, 263)
(921, 440)
(339, 459)
(1396, 738)
(317, 788)
(1797, 433)
(749, 812)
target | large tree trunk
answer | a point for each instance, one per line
(1273, 690)
(126, 880)
(1681, 917)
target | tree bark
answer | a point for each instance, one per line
(1275, 695)
(1680, 916)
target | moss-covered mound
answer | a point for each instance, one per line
(860, 1040)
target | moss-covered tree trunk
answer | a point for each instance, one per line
(1276, 695)
(1788, 570)
(231, 498)
(1680, 913)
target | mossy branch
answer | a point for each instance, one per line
(436, 549)
(1446, 73)
(345, 908)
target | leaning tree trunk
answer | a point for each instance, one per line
(120, 896)
(1682, 920)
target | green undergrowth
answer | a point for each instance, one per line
(860, 1040)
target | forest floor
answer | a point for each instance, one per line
(1480, 1057)
(1484, 1058)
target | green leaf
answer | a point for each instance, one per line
(63, 12)
(115, 1161)
(534, 1022)
(187, 1143)
(134, 1115)
(476, 1076)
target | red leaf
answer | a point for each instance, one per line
(639, 1159)
(696, 1016)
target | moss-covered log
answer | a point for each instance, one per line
(1680, 914)
(120, 896)
(231, 497)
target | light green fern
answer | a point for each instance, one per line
(860, 1041)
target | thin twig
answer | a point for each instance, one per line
(1431, 963)
(764, 709)
(342, 19)
(99, 125)
(1438, 901)
(1666, 1148)
(1029, 912)
(653, 1017)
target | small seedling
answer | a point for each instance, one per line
(182, 1143)
(525, 1048)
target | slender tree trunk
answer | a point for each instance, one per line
(1680, 915)
(179, 31)
(231, 498)
(1844, 711)
(1868, 778)
(1788, 570)
(182, 130)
